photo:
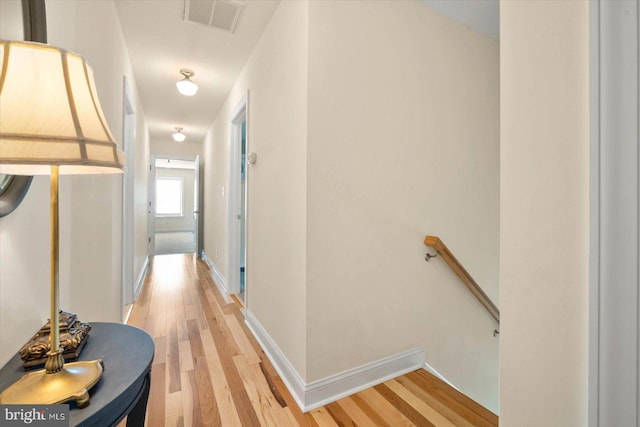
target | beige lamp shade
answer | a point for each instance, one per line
(50, 114)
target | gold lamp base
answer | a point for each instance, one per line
(72, 382)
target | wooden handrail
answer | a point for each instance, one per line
(442, 250)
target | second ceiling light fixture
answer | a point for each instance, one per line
(179, 136)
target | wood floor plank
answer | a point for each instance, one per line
(291, 403)
(156, 402)
(419, 405)
(440, 406)
(385, 409)
(266, 406)
(272, 387)
(196, 414)
(248, 416)
(181, 329)
(187, 399)
(241, 339)
(173, 409)
(173, 360)
(210, 370)
(186, 358)
(160, 354)
(355, 412)
(309, 420)
(208, 404)
(323, 418)
(194, 338)
(341, 417)
(228, 411)
(468, 409)
(403, 406)
(377, 418)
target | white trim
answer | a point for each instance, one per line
(127, 234)
(128, 314)
(614, 232)
(432, 370)
(151, 195)
(240, 114)
(218, 278)
(330, 389)
(140, 281)
(287, 372)
(593, 394)
(321, 392)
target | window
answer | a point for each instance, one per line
(169, 196)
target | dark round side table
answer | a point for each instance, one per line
(123, 390)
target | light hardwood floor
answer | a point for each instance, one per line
(209, 370)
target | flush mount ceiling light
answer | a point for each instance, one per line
(186, 86)
(179, 136)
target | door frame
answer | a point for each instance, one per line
(151, 221)
(234, 216)
(128, 188)
(614, 230)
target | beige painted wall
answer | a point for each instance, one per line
(24, 297)
(276, 77)
(169, 147)
(544, 213)
(90, 223)
(403, 142)
(338, 210)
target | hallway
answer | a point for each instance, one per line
(210, 371)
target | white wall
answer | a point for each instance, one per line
(169, 147)
(544, 213)
(90, 223)
(184, 222)
(24, 296)
(276, 76)
(403, 142)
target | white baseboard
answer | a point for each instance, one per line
(319, 393)
(287, 373)
(430, 369)
(217, 277)
(140, 281)
(330, 389)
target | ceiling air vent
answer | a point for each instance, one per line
(221, 14)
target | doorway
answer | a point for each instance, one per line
(238, 209)
(173, 205)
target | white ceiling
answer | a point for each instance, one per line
(160, 44)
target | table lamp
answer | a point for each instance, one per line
(51, 123)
